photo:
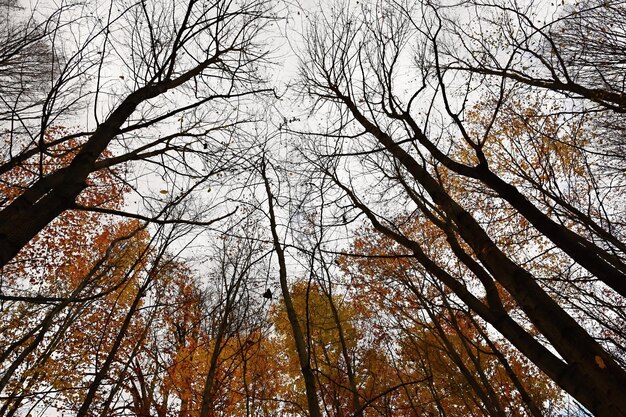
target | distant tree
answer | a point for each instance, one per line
(27, 62)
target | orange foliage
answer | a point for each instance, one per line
(428, 341)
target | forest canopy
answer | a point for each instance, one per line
(348, 208)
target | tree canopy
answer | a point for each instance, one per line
(354, 208)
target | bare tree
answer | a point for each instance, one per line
(205, 60)
(302, 347)
(417, 146)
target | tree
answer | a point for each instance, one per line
(62, 186)
(315, 314)
(25, 59)
(459, 367)
(73, 326)
(303, 353)
(415, 143)
(208, 53)
(78, 260)
(485, 159)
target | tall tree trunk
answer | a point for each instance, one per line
(52, 195)
(298, 336)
